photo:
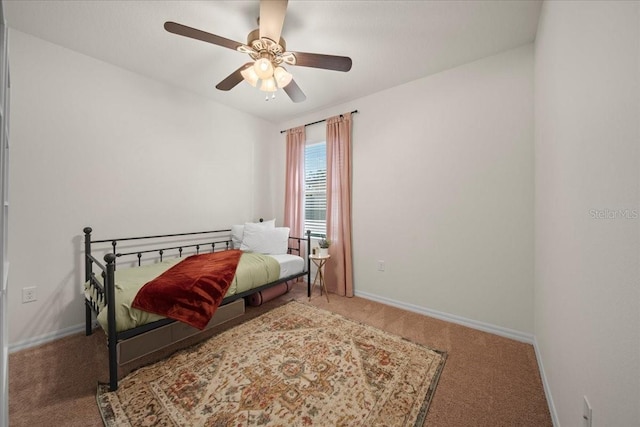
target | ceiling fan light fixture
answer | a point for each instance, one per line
(282, 76)
(268, 53)
(263, 68)
(250, 76)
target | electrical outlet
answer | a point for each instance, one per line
(586, 413)
(29, 294)
(380, 265)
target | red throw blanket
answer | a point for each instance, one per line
(191, 290)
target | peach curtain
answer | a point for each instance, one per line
(294, 185)
(339, 269)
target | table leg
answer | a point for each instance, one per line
(322, 282)
(315, 279)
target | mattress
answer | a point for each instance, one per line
(130, 280)
(289, 264)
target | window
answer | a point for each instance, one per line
(315, 189)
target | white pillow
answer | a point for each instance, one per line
(267, 224)
(237, 231)
(268, 241)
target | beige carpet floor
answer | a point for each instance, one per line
(487, 380)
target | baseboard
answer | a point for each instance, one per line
(545, 385)
(482, 326)
(475, 324)
(45, 338)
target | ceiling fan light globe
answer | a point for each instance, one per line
(263, 68)
(249, 75)
(268, 85)
(282, 76)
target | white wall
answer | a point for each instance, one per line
(443, 191)
(93, 144)
(587, 288)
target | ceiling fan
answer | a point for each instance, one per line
(268, 52)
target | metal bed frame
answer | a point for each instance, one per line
(220, 240)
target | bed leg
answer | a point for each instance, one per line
(113, 366)
(87, 320)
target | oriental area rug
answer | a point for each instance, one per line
(296, 365)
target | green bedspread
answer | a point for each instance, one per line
(254, 270)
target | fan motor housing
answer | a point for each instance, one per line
(265, 44)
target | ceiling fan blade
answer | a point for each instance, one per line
(233, 79)
(327, 62)
(183, 30)
(272, 14)
(295, 93)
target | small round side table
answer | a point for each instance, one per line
(320, 262)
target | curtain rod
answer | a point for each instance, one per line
(320, 121)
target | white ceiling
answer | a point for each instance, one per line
(390, 42)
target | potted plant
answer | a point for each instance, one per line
(324, 244)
